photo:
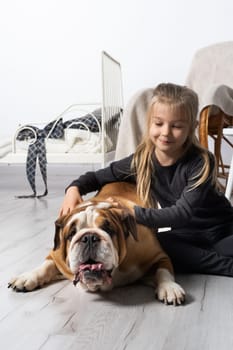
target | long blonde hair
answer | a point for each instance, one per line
(186, 101)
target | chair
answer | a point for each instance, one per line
(211, 76)
(212, 121)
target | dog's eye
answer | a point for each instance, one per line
(108, 228)
(71, 234)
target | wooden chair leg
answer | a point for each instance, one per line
(203, 127)
(212, 125)
(218, 144)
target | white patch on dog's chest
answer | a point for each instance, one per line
(121, 278)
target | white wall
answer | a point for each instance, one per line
(50, 49)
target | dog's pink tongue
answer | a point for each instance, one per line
(92, 267)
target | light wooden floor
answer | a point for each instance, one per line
(60, 316)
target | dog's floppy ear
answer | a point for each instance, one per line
(59, 224)
(129, 223)
(58, 254)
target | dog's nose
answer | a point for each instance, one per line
(90, 238)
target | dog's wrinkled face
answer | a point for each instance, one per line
(95, 237)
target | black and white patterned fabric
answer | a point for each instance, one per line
(55, 130)
(37, 151)
(90, 121)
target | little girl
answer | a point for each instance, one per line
(171, 168)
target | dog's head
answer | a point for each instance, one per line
(91, 242)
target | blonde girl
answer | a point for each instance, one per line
(169, 167)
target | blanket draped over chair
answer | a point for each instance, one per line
(211, 76)
(210, 69)
(133, 123)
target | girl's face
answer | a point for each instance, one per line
(168, 131)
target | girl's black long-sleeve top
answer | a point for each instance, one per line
(185, 210)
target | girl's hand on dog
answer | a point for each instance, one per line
(72, 198)
(118, 205)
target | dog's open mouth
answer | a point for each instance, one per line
(93, 272)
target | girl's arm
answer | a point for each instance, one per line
(200, 206)
(93, 181)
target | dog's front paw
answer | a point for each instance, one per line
(170, 292)
(24, 283)
(29, 281)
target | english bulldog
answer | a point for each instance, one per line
(99, 246)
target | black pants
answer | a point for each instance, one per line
(189, 255)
